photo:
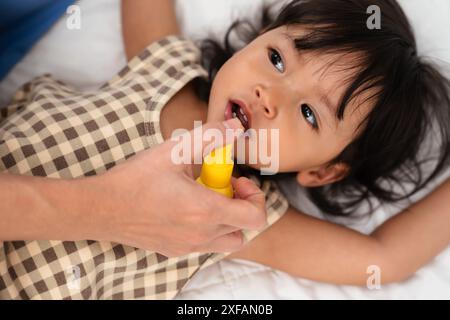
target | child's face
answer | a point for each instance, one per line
(285, 90)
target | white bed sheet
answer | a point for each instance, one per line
(241, 279)
(88, 57)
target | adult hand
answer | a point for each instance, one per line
(152, 203)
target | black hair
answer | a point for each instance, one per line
(411, 99)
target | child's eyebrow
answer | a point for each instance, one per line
(325, 99)
(291, 41)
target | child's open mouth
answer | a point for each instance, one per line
(237, 109)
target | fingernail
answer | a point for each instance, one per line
(233, 124)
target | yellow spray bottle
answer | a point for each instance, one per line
(217, 170)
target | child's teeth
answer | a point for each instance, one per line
(245, 118)
(234, 114)
(242, 112)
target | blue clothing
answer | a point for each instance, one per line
(22, 24)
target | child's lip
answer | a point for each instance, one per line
(243, 106)
(228, 111)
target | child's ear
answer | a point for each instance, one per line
(323, 175)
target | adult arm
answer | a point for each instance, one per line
(148, 202)
(36, 208)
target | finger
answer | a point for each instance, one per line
(245, 188)
(217, 134)
(221, 230)
(247, 210)
(197, 143)
(230, 242)
(189, 148)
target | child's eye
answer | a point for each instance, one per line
(309, 115)
(276, 60)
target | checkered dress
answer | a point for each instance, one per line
(53, 130)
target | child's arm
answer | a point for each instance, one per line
(311, 248)
(144, 22)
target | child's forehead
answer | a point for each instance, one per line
(338, 57)
(344, 64)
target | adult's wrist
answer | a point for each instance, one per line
(94, 208)
(37, 208)
(69, 208)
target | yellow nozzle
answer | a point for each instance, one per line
(217, 169)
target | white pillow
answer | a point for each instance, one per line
(431, 24)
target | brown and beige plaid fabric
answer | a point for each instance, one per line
(53, 130)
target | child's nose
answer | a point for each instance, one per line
(265, 101)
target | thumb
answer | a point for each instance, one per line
(246, 189)
(214, 135)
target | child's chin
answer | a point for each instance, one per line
(256, 167)
(252, 166)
